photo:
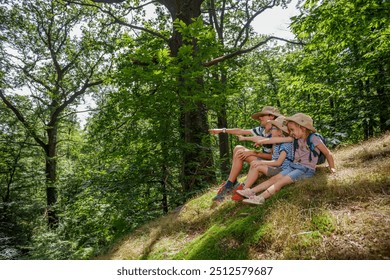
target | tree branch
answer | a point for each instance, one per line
(109, 1)
(21, 118)
(123, 23)
(240, 52)
(118, 20)
(245, 28)
(79, 112)
(57, 112)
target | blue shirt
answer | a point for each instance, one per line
(288, 148)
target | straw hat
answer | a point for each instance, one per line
(303, 120)
(280, 123)
(267, 110)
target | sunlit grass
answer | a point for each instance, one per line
(340, 216)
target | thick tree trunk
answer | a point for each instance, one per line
(197, 159)
(223, 138)
(51, 176)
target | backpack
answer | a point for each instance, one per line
(320, 155)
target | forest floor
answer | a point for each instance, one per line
(341, 216)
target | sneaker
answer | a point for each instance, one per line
(248, 193)
(222, 192)
(218, 198)
(236, 196)
(257, 200)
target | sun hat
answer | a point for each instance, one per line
(280, 123)
(303, 120)
(267, 110)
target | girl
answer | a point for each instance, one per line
(282, 156)
(300, 127)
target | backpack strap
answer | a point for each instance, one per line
(311, 145)
(295, 145)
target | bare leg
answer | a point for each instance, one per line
(277, 186)
(254, 173)
(238, 163)
(266, 184)
(279, 181)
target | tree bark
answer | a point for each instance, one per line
(51, 175)
(224, 143)
(197, 159)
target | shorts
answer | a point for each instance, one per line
(272, 171)
(298, 172)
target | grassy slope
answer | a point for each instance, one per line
(341, 216)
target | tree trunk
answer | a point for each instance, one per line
(223, 144)
(164, 199)
(197, 156)
(51, 175)
(223, 138)
(197, 160)
(383, 99)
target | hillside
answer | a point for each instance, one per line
(340, 216)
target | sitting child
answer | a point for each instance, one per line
(300, 127)
(282, 156)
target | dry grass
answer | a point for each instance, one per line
(341, 216)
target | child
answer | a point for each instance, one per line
(300, 127)
(242, 154)
(282, 156)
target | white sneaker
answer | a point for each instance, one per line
(248, 193)
(258, 200)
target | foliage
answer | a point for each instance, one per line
(20, 198)
(344, 64)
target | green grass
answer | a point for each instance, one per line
(341, 216)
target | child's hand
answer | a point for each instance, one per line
(241, 138)
(242, 154)
(257, 163)
(260, 141)
(332, 169)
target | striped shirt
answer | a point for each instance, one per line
(260, 131)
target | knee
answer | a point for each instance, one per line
(237, 148)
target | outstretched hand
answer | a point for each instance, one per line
(260, 142)
(257, 163)
(254, 139)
